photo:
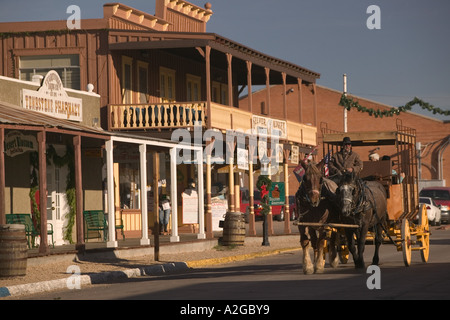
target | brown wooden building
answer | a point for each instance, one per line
(157, 73)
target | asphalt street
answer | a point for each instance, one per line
(280, 277)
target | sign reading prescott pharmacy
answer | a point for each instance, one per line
(52, 99)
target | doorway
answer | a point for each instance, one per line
(57, 204)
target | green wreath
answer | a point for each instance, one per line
(349, 103)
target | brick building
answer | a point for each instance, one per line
(320, 107)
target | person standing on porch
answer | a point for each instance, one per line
(164, 213)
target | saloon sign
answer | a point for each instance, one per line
(52, 99)
(269, 126)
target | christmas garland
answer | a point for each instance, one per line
(59, 161)
(349, 103)
(263, 184)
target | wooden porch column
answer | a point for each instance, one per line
(112, 243)
(43, 247)
(80, 246)
(249, 85)
(251, 218)
(300, 115)
(201, 195)
(209, 226)
(143, 181)
(156, 203)
(208, 86)
(283, 76)
(287, 216)
(267, 70)
(174, 195)
(2, 177)
(230, 80)
(230, 153)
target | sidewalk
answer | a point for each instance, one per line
(100, 265)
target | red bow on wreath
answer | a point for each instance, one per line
(264, 191)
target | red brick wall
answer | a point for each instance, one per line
(430, 132)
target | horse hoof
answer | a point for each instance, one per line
(319, 271)
(334, 264)
(308, 270)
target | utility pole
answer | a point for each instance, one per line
(345, 109)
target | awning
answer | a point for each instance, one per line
(188, 45)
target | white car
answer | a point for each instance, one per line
(433, 211)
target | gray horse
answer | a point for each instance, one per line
(363, 203)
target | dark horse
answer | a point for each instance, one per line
(314, 205)
(362, 203)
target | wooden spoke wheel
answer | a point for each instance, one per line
(424, 235)
(343, 253)
(342, 248)
(406, 242)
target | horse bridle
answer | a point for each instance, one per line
(362, 204)
(317, 191)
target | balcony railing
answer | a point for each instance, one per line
(188, 114)
(156, 116)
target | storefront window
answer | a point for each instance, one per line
(129, 186)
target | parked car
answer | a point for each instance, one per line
(278, 212)
(441, 196)
(433, 211)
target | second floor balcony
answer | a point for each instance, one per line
(173, 115)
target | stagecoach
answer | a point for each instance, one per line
(408, 227)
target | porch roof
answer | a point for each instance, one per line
(15, 117)
(188, 44)
(21, 118)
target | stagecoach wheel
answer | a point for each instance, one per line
(344, 254)
(424, 235)
(343, 251)
(406, 242)
(325, 249)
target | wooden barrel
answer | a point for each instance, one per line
(13, 250)
(233, 229)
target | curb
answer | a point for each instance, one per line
(153, 270)
(95, 278)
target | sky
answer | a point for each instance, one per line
(406, 56)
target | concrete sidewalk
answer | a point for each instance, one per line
(100, 266)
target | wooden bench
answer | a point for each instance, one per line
(30, 230)
(119, 224)
(95, 220)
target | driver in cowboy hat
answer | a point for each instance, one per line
(346, 160)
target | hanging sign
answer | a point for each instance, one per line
(270, 126)
(17, 143)
(277, 194)
(242, 158)
(190, 206)
(52, 99)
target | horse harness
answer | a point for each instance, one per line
(363, 204)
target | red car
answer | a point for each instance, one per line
(278, 212)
